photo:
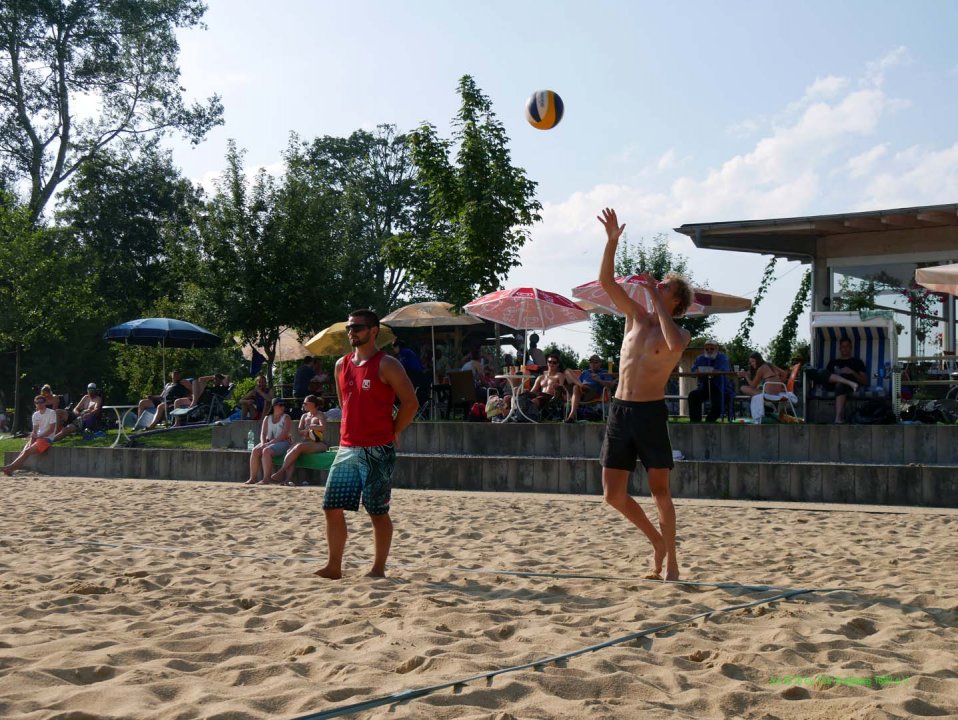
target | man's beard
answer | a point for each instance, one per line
(711, 355)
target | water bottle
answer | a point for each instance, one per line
(250, 441)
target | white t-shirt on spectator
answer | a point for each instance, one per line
(45, 423)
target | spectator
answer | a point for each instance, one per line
(534, 354)
(57, 404)
(202, 394)
(550, 386)
(842, 376)
(303, 377)
(311, 431)
(153, 409)
(41, 438)
(718, 389)
(758, 373)
(253, 403)
(274, 440)
(86, 413)
(590, 385)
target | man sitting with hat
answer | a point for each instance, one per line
(87, 413)
(590, 386)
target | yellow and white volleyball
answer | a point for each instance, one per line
(544, 109)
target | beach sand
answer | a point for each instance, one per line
(182, 629)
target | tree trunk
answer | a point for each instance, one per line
(16, 392)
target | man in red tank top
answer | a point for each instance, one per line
(368, 381)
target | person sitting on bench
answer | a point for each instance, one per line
(311, 431)
(842, 376)
(203, 394)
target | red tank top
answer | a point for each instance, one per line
(367, 404)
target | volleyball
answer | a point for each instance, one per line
(544, 109)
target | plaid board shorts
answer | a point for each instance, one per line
(361, 472)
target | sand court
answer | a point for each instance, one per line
(158, 599)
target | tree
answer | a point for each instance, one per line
(782, 348)
(362, 190)
(657, 260)
(120, 57)
(480, 209)
(36, 308)
(262, 267)
(133, 217)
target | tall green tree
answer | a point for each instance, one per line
(134, 219)
(258, 269)
(480, 207)
(362, 191)
(656, 259)
(38, 304)
(120, 57)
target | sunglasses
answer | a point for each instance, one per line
(356, 327)
(552, 362)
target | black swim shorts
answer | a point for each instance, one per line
(637, 430)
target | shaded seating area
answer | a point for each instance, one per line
(873, 340)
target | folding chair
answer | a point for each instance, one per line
(604, 399)
(776, 391)
(462, 391)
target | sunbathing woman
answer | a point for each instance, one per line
(312, 428)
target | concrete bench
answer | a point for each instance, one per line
(311, 461)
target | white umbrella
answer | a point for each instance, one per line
(939, 278)
(431, 315)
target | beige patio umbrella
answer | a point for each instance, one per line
(334, 342)
(709, 302)
(288, 347)
(431, 315)
(939, 278)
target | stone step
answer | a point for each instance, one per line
(930, 485)
(879, 444)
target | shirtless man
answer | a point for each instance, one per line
(638, 423)
(549, 385)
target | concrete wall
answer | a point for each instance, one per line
(879, 444)
(800, 481)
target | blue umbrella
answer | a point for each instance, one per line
(162, 332)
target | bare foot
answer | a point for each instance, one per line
(376, 573)
(329, 573)
(653, 576)
(658, 555)
(251, 481)
(672, 574)
(8, 473)
(276, 478)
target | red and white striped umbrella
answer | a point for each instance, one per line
(527, 308)
(634, 286)
(704, 301)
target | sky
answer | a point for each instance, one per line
(675, 113)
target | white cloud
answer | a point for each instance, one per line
(863, 164)
(916, 177)
(875, 72)
(826, 87)
(667, 160)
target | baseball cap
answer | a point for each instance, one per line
(91, 386)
